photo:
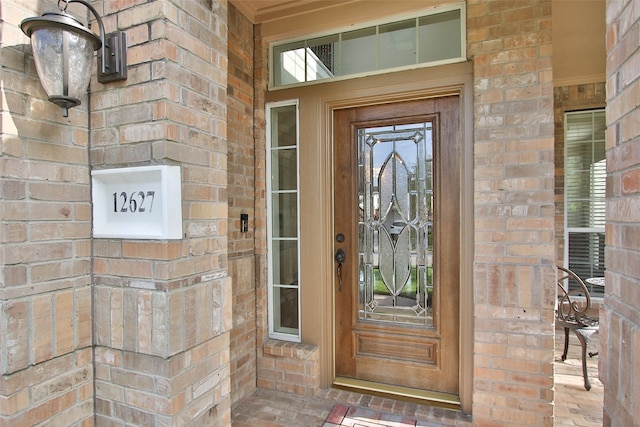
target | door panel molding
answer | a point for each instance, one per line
(396, 347)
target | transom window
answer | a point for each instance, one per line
(430, 39)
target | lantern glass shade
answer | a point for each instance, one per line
(63, 53)
(64, 62)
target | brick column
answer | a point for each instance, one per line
(241, 201)
(261, 79)
(163, 308)
(510, 45)
(619, 362)
(45, 229)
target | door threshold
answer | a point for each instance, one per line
(413, 395)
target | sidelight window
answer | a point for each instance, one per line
(283, 221)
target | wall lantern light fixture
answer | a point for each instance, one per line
(63, 52)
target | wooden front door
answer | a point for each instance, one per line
(397, 244)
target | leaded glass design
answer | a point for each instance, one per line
(395, 190)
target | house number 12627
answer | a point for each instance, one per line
(137, 201)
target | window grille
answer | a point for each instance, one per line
(283, 221)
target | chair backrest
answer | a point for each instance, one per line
(574, 300)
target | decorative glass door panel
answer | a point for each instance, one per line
(395, 196)
(397, 245)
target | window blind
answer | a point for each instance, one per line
(585, 187)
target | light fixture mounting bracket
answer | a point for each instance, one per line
(115, 61)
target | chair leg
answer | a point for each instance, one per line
(583, 338)
(566, 344)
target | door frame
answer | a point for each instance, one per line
(466, 221)
(317, 103)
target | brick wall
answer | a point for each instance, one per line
(510, 45)
(619, 360)
(163, 308)
(241, 201)
(569, 98)
(45, 229)
(289, 367)
(261, 79)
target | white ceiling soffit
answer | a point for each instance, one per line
(261, 11)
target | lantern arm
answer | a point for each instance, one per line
(103, 65)
(113, 53)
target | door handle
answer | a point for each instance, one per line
(340, 258)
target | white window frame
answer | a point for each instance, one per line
(567, 229)
(461, 6)
(294, 337)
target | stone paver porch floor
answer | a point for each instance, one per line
(574, 406)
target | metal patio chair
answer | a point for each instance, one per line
(572, 313)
